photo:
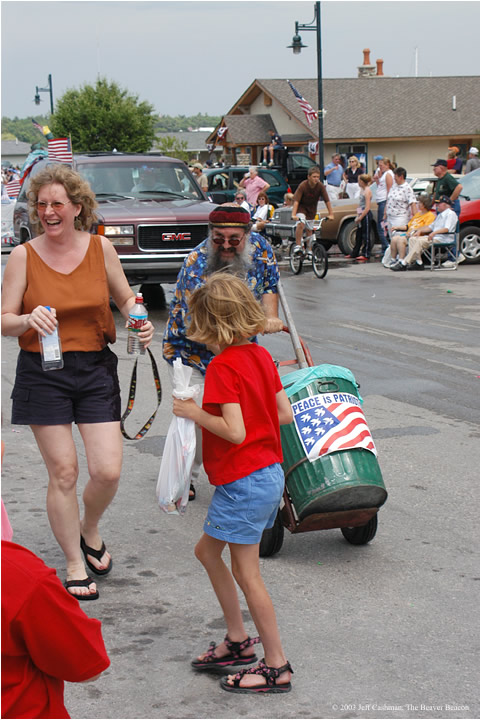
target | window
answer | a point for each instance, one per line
(269, 178)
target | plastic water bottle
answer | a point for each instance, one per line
(137, 318)
(51, 350)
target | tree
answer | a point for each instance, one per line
(103, 118)
(24, 130)
(172, 147)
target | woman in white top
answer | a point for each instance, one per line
(261, 213)
(384, 183)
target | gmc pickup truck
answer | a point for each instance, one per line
(150, 208)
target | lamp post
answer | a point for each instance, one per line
(296, 47)
(47, 89)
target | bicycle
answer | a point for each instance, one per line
(311, 249)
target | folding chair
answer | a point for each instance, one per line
(440, 251)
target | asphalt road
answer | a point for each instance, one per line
(387, 630)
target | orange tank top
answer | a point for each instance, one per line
(81, 299)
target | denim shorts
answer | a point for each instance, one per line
(240, 511)
(85, 390)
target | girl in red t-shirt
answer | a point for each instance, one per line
(243, 405)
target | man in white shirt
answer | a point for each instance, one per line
(442, 230)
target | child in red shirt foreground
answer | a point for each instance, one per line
(244, 402)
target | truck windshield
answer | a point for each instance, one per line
(138, 178)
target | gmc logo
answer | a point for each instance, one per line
(169, 236)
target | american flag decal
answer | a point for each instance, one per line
(329, 422)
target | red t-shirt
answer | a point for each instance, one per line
(243, 374)
(46, 638)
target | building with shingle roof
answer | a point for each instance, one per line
(413, 121)
(14, 152)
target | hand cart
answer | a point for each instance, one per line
(341, 489)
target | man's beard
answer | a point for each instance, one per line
(236, 264)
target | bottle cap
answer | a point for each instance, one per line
(48, 307)
(139, 298)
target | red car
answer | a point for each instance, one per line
(469, 217)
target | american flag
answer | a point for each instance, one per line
(36, 125)
(13, 188)
(329, 422)
(309, 111)
(59, 150)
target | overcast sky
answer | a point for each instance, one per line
(187, 57)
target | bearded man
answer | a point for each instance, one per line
(232, 247)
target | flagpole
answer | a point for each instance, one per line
(320, 109)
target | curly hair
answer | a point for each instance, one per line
(224, 311)
(77, 188)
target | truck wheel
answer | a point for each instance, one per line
(295, 258)
(154, 296)
(361, 535)
(319, 260)
(271, 541)
(469, 243)
(347, 238)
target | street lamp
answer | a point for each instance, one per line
(296, 47)
(47, 89)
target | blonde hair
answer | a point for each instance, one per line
(224, 311)
(77, 188)
(353, 157)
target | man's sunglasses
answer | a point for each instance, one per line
(232, 241)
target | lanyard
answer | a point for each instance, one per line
(130, 403)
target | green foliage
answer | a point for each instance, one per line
(172, 147)
(23, 129)
(103, 117)
(166, 123)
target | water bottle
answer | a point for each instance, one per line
(51, 350)
(137, 318)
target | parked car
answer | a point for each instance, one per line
(150, 208)
(340, 231)
(425, 182)
(469, 217)
(223, 183)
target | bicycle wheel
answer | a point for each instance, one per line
(296, 256)
(319, 260)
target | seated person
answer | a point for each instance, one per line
(402, 233)
(275, 144)
(443, 229)
(288, 199)
(241, 199)
(148, 180)
(262, 213)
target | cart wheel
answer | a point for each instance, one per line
(272, 539)
(361, 535)
(296, 256)
(319, 260)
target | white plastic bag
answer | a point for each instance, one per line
(173, 484)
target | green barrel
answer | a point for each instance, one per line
(347, 479)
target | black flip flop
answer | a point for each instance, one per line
(81, 583)
(96, 554)
(191, 490)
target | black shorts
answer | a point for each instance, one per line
(85, 390)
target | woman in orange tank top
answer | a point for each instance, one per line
(74, 273)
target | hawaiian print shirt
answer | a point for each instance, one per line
(262, 277)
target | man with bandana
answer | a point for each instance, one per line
(230, 246)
